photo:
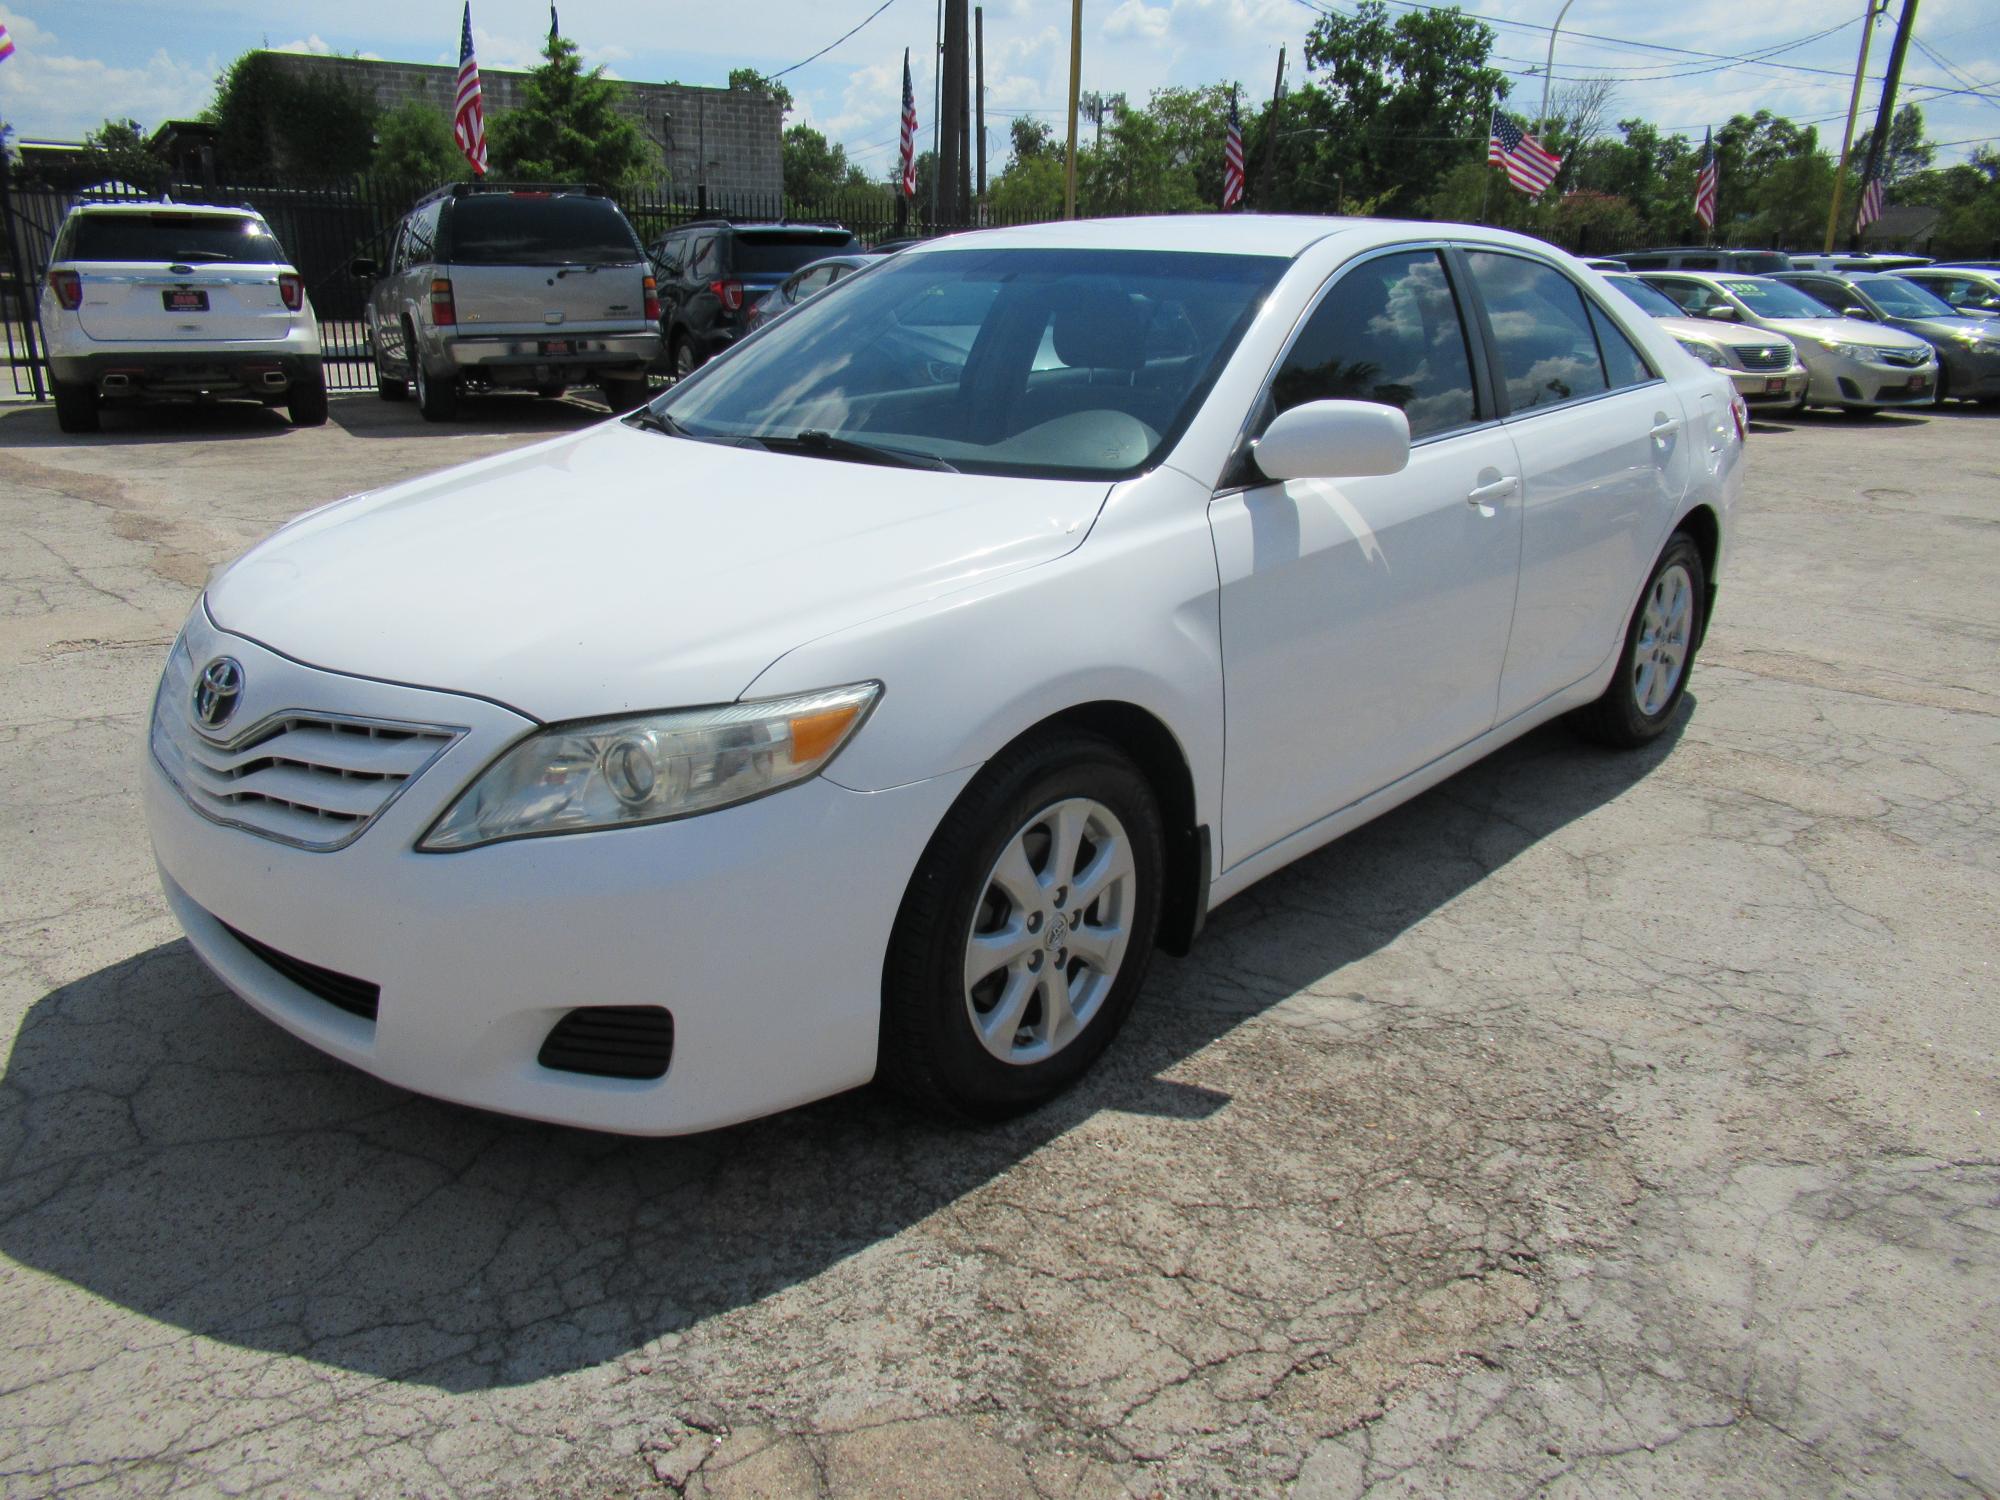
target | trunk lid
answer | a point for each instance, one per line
(527, 262)
(178, 275)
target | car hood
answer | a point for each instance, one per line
(1933, 329)
(1725, 335)
(617, 569)
(1846, 331)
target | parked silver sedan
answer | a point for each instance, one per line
(1764, 367)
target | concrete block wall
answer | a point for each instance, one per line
(736, 132)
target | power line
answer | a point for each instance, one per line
(835, 42)
(1973, 85)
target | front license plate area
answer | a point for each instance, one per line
(1775, 386)
(1918, 382)
(558, 346)
(182, 299)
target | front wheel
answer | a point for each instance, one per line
(1659, 652)
(1026, 930)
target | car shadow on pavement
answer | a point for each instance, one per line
(164, 422)
(372, 417)
(164, 1147)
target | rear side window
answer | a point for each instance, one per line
(497, 229)
(193, 238)
(1760, 263)
(1623, 363)
(775, 252)
(1690, 296)
(1700, 262)
(1389, 331)
(1548, 351)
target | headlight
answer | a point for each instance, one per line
(646, 768)
(1866, 353)
(1708, 354)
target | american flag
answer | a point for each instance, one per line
(1530, 167)
(468, 126)
(6, 43)
(1232, 159)
(1871, 205)
(1705, 182)
(909, 131)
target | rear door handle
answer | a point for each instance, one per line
(1485, 494)
(1665, 427)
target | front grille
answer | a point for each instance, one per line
(1909, 358)
(611, 1041)
(355, 996)
(315, 781)
(1766, 357)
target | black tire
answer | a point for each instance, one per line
(929, 1049)
(686, 361)
(1619, 718)
(76, 406)
(551, 392)
(392, 389)
(625, 395)
(436, 399)
(306, 401)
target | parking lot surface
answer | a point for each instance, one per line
(1595, 1124)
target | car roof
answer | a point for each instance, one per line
(1282, 235)
(155, 206)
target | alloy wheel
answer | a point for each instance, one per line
(1660, 655)
(1052, 926)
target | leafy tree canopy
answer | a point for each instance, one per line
(750, 78)
(119, 153)
(274, 122)
(816, 169)
(414, 144)
(568, 129)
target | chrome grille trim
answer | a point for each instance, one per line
(1766, 357)
(314, 781)
(1908, 358)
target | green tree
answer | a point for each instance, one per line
(750, 78)
(568, 128)
(1905, 152)
(1030, 187)
(816, 168)
(273, 122)
(1031, 137)
(119, 153)
(415, 144)
(1136, 171)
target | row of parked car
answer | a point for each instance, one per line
(545, 287)
(1856, 333)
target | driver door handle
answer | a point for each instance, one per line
(1485, 494)
(1665, 427)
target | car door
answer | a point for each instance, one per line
(1603, 454)
(1364, 621)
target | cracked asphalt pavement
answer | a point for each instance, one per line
(1594, 1124)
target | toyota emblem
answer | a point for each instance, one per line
(216, 694)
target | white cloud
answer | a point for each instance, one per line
(1135, 18)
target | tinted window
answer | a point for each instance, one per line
(703, 260)
(941, 354)
(421, 243)
(1388, 332)
(193, 238)
(1649, 300)
(1773, 299)
(1548, 352)
(499, 229)
(1646, 262)
(1902, 300)
(1623, 363)
(1832, 293)
(767, 253)
(1689, 296)
(1759, 261)
(1700, 262)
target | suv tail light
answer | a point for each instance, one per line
(68, 287)
(292, 289)
(652, 300)
(731, 293)
(444, 311)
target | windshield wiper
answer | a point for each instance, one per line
(826, 444)
(654, 421)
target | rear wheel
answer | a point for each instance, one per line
(76, 406)
(1659, 652)
(551, 392)
(685, 363)
(436, 399)
(1026, 930)
(307, 401)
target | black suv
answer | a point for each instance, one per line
(712, 272)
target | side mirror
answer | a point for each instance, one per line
(361, 268)
(1860, 314)
(1334, 440)
(1723, 313)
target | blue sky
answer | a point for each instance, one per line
(81, 60)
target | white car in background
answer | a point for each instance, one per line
(1764, 367)
(1858, 367)
(176, 301)
(836, 717)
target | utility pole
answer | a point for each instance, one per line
(979, 90)
(1269, 174)
(951, 110)
(1870, 9)
(1075, 87)
(1887, 110)
(961, 70)
(937, 113)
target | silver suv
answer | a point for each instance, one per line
(533, 287)
(176, 300)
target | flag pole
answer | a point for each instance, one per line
(1485, 170)
(1075, 87)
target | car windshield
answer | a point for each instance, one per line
(505, 229)
(1658, 304)
(1900, 299)
(1773, 299)
(777, 254)
(193, 238)
(1055, 363)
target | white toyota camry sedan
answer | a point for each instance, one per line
(875, 702)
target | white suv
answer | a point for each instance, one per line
(176, 300)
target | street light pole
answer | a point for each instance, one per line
(1542, 120)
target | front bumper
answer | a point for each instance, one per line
(188, 372)
(1769, 387)
(1840, 381)
(762, 927)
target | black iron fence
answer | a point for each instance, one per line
(324, 227)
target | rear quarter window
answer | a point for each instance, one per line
(775, 252)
